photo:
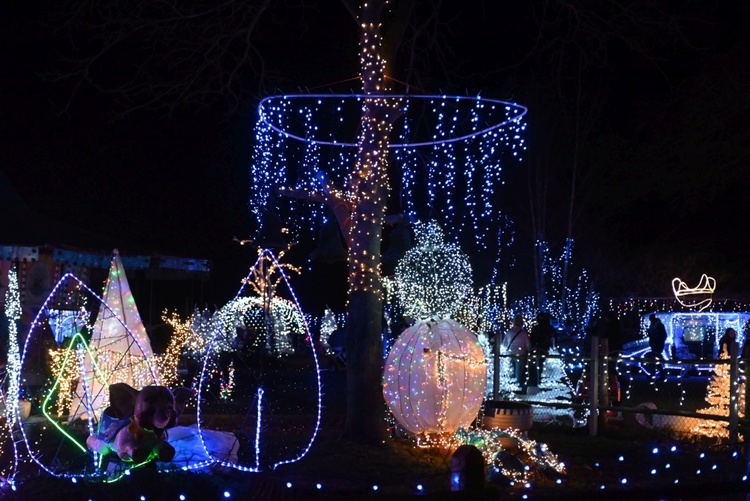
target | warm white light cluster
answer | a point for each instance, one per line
(273, 324)
(168, 361)
(201, 332)
(694, 297)
(435, 377)
(66, 371)
(434, 277)
(532, 459)
(266, 275)
(719, 399)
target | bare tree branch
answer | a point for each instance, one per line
(161, 55)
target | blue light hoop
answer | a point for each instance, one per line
(508, 106)
(447, 162)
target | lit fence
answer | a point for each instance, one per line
(681, 398)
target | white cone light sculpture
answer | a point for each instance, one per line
(435, 375)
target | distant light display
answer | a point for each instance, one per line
(168, 361)
(571, 304)
(692, 335)
(266, 325)
(328, 324)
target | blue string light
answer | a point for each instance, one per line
(298, 136)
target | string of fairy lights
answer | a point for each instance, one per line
(11, 396)
(13, 314)
(519, 480)
(462, 159)
(220, 323)
(434, 277)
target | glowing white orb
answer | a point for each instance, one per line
(435, 377)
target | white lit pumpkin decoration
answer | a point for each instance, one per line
(435, 375)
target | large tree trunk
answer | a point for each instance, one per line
(365, 404)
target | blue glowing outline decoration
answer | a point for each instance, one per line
(204, 370)
(36, 323)
(365, 97)
(674, 320)
(317, 366)
(259, 411)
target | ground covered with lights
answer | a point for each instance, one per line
(618, 464)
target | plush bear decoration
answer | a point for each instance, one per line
(134, 424)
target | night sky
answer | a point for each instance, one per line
(660, 97)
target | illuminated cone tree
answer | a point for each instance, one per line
(121, 347)
(719, 400)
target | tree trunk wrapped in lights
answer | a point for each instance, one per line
(352, 179)
(369, 185)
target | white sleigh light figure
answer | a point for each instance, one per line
(696, 297)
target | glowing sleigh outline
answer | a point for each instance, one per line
(706, 286)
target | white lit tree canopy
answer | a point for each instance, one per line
(434, 277)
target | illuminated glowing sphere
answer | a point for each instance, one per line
(435, 377)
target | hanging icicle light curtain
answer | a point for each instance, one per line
(450, 151)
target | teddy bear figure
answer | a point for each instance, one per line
(135, 423)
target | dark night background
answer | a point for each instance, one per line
(657, 90)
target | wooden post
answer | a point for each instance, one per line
(594, 387)
(603, 380)
(496, 366)
(733, 394)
